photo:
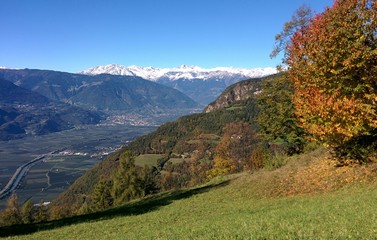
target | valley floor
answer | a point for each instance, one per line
(308, 198)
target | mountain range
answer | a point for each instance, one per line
(35, 102)
(102, 92)
(202, 85)
(24, 112)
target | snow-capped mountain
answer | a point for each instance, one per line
(203, 85)
(184, 71)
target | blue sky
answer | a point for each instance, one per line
(73, 35)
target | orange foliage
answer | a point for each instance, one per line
(324, 176)
(333, 63)
(234, 150)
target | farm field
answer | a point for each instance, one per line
(80, 150)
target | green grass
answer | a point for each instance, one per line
(228, 208)
(148, 159)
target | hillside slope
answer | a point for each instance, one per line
(189, 135)
(100, 92)
(178, 137)
(24, 112)
(243, 206)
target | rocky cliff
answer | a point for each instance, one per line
(237, 92)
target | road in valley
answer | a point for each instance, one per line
(17, 177)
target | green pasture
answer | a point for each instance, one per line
(225, 209)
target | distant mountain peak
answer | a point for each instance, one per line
(183, 71)
(203, 85)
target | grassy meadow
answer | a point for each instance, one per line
(148, 159)
(308, 198)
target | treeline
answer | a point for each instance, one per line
(27, 213)
(170, 136)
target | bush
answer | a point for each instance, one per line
(362, 148)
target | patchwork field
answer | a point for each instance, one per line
(83, 148)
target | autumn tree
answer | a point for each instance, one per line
(234, 150)
(221, 167)
(332, 61)
(198, 168)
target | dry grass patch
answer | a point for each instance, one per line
(316, 172)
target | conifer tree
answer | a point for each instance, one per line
(101, 196)
(126, 182)
(27, 212)
(147, 180)
(41, 212)
(12, 213)
(276, 117)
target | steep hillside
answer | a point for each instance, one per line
(192, 136)
(185, 135)
(100, 92)
(260, 205)
(24, 112)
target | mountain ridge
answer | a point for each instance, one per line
(24, 112)
(202, 85)
(100, 92)
(184, 71)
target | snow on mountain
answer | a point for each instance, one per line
(182, 72)
(202, 85)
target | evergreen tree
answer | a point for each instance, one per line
(12, 214)
(85, 209)
(101, 196)
(27, 212)
(276, 118)
(126, 182)
(148, 181)
(41, 212)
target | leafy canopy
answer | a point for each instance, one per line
(333, 63)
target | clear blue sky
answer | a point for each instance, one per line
(73, 35)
